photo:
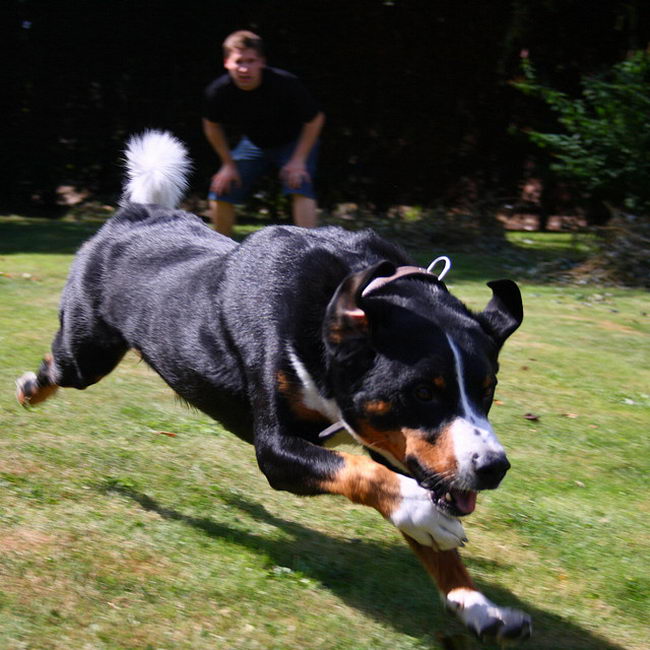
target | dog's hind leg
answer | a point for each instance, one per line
(32, 388)
(78, 360)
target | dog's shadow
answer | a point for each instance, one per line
(357, 571)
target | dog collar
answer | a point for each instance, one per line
(332, 430)
(403, 271)
(447, 266)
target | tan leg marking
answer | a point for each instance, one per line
(39, 395)
(28, 390)
(398, 498)
(363, 481)
(445, 567)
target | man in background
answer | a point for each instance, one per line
(280, 121)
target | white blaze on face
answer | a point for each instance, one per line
(471, 432)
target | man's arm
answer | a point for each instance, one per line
(295, 171)
(228, 173)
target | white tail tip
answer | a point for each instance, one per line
(157, 166)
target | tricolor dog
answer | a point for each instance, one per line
(289, 333)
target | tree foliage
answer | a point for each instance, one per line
(604, 148)
(605, 143)
(416, 92)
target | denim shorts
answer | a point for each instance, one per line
(252, 162)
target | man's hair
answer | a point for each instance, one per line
(243, 40)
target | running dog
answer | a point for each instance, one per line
(290, 336)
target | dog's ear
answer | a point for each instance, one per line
(504, 312)
(345, 320)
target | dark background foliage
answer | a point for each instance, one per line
(417, 93)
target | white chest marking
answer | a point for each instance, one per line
(312, 399)
(311, 396)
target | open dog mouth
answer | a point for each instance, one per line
(450, 500)
(456, 502)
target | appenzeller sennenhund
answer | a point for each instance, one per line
(288, 333)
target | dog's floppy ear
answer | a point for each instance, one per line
(345, 320)
(504, 312)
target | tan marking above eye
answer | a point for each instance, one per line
(377, 407)
(439, 382)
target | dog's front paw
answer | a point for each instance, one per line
(418, 517)
(486, 620)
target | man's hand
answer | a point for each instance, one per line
(222, 181)
(294, 173)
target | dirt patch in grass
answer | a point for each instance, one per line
(23, 539)
(17, 468)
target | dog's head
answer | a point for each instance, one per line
(414, 373)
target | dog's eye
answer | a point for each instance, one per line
(423, 393)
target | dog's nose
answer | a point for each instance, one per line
(489, 469)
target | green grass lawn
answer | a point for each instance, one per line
(114, 535)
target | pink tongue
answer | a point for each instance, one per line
(465, 500)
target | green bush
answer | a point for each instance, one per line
(605, 144)
(604, 150)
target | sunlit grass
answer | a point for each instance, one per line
(116, 535)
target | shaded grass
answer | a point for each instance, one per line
(115, 536)
(525, 253)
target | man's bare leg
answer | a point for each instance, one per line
(222, 216)
(304, 211)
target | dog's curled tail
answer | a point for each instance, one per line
(157, 166)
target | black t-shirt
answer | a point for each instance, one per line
(271, 115)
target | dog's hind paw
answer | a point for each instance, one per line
(29, 392)
(486, 620)
(25, 387)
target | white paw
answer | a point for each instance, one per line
(418, 517)
(486, 620)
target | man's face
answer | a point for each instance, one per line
(245, 68)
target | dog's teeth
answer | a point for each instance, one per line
(448, 497)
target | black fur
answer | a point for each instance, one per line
(217, 320)
(287, 332)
